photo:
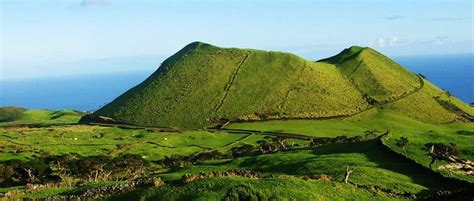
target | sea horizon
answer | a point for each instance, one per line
(89, 92)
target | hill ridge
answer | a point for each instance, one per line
(204, 85)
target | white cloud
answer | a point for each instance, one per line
(394, 41)
(385, 42)
(381, 42)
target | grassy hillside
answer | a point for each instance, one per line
(424, 106)
(375, 75)
(204, 85)
(10, 113)
(19, 116)
(255, 189)
(380, 119)
(183, 92)
(398, 124)
(273, 85)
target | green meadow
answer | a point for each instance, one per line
(377, 162)
(241, 124)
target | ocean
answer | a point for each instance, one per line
(454, 73)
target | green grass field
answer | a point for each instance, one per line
(300, 126)
(374, 165)
(377, 118)
(23, 143)
(261, 189)
(418, 133)
(11, 116)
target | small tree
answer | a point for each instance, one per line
(348, 173)
(244, 150)
(422, 76)
(207, 155)
(402, 142)
(174, 161)
(282, 141)
(448, 93)
(369, 99)
(440, 151)
(267, 145)
(319, 141)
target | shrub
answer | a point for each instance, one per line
(208, 155)
(464, 132)
(49, 168)
(174, 161)
(17, 172)
(244, 150)
(440, 151)
(402, 142)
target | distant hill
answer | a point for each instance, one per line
(10, 113)
(17, 115)
(203, 85)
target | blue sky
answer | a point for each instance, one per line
(53, 38)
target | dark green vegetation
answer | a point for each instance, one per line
(256, 189)
(10, 113)
(231, 124)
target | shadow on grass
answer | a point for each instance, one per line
(375, 152)
(333, 159)
(376, 163)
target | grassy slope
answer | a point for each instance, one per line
(255, 189)
(186, 96)
(231, 188)
(202, 84)
(182, 93)
(280, 85)
(10, 113)
(418, 133)
(374, 74)
(381, 119)
(96, 140)
(374, 166)
(385, 81)
(423, 106)
(451, 133)
(43, 117)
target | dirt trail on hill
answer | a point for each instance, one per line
(230, 83)
(173, 147)
(123, 148)
(235, 142)
(422, 84)
(341, 116)
(272, 133)
(129, 126)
